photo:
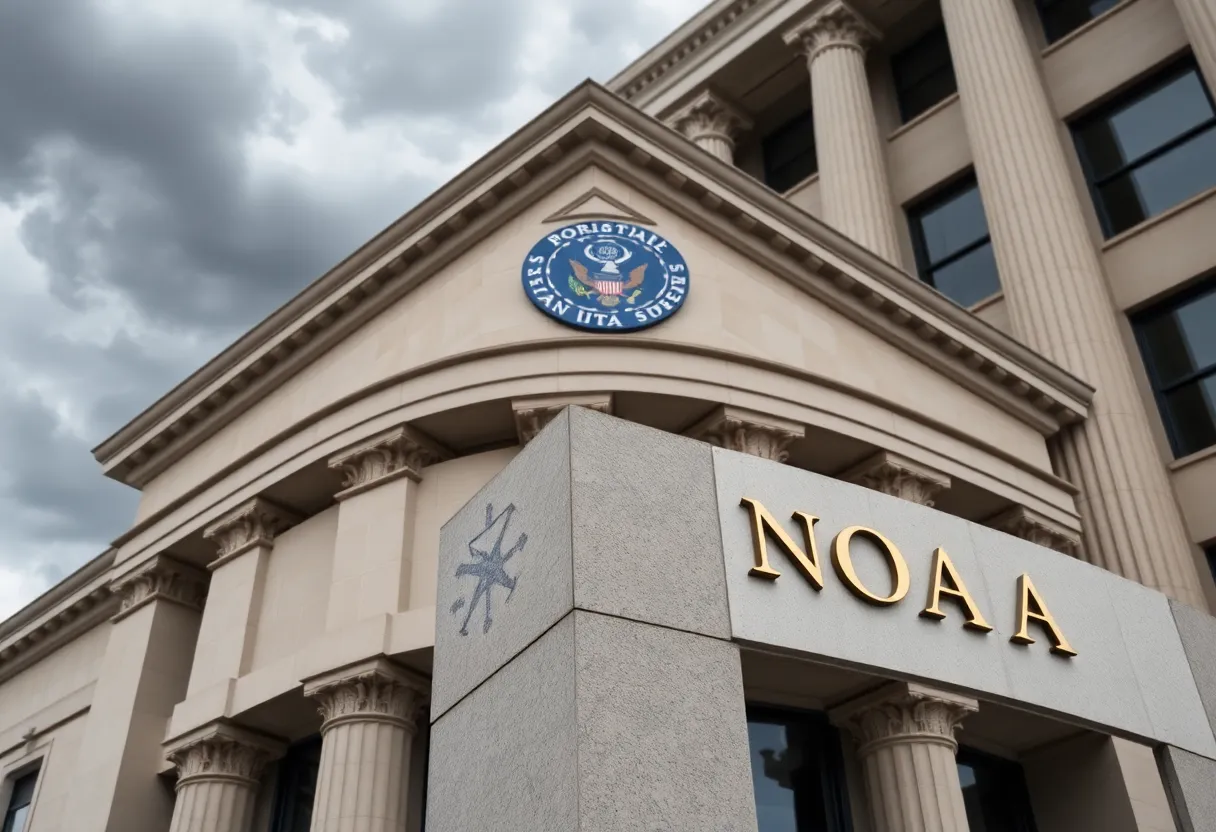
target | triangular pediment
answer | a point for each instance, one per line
(633, 169)
(597, 205)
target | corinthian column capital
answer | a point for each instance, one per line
(900, 477)
(160, 579)
(253, 523)
(836, 25)
(532, 414)
(712, 123)
(746, 431)
(904, 713)
(373, 691)
(399, 452)
(1028, 524)
(222, 752)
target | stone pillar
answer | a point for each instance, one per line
(244, 538)
(1028, 524)
(142, 677)
(906, 746)
(1059, 301)
(1199, 20)
(746, 431)
(218, 768)
(370, 712)
(898, 476)
(712, 123)
(1190, 781)
(373, 549)
(532, 414)
(852, 155)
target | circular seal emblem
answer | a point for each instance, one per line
(606, 276)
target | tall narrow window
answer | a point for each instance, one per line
(994, 793)
(789, 153)
(18, 812)
(1060, 17)
(953, 249)
(1210, 553)
(924, 74)
(297, 787)
(1178, 342)
(1151, 149)
(797, 772)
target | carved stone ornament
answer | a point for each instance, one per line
(837, 25)
(750, 433)
(905, 713)
(709, 116)
(376, 691)
(400, 452)
(900, 477)
(223, 752)
(254, 523)
(532, 415)
(1022, 522)
(160, 579)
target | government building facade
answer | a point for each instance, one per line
(811, 430)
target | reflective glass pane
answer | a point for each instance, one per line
(1181, 341)
(994, 794)
(1145, 124)
(1158, 185)
(796, 782)
(1192, 410)
(789, 153)
(937, 87)
(15, 822)
(953, 224)
(969, 279)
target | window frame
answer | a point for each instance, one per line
(14, 779)
(926, 268)
(1139, 321)
(834, 782)
(1138, 92)
(970, 756)
(283, 814)
(901, 88)
(809, 115)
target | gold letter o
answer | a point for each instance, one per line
(843, 561)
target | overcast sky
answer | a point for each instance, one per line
(173, 170)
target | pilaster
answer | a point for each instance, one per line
(906, 745)
(712, 123)
(853, 177)
(894, 474)
(532, 414)
(218, 770)
(736, 429)
(1028, 524)
(1059, 301)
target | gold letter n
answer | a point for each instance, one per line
(764, 527)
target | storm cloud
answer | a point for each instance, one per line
(172, 171)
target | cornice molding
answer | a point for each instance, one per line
(532, 414)
(398, 452)
(592, 127)
(255, 522)
(92, 605)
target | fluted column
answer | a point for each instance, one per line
(1028, 524)
(906, 745)
(1199, 21)
(532, 414)
(370, 713)
(852, 158)
(1059, 301)
(898, 476)
(712, 123)
(758, 434)
(218, 768)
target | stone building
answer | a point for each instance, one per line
(813, 429)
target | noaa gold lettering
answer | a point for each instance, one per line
(763, 526)
(1031, 607)
(842, 559)
(943, 571)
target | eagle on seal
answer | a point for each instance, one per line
(609, 287)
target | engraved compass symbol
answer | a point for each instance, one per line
(488, 564)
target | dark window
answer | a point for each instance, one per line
(953, 249)
(924, 74)
(1178, 342)
(994, 793)
(1150, 149)
(797, 772)
(297, 786)
(1063, 16)
(1210, 553)
(18, 812)
(789, 153)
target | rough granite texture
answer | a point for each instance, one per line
(504, 759)
(1190, 781)
(662, 730)
(537, 482)
(645, 517)
(1198, 631)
